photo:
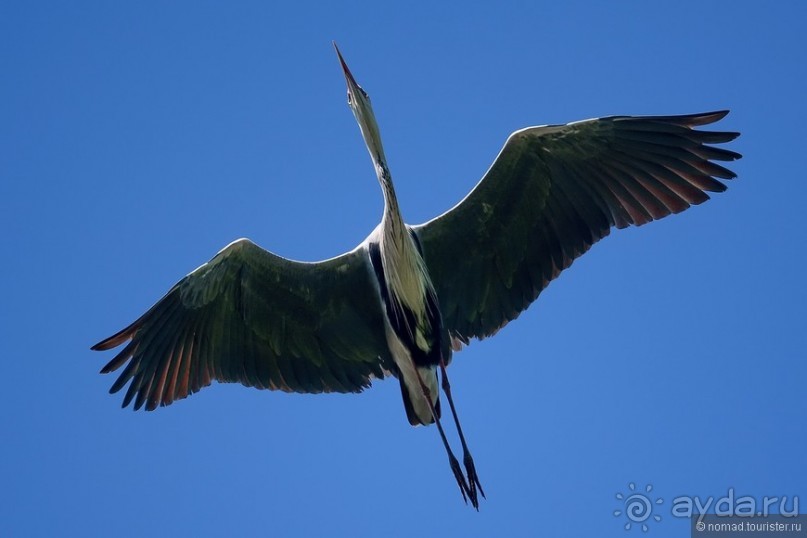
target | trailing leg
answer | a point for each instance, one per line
(470, 469)
(455, 466)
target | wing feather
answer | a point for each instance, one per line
(251, 317)
(552, 192)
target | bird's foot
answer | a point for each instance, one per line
(473, 480)
(460, 478)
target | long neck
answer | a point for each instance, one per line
(394, 227)
(406, 272)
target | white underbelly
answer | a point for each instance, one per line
(409, 372)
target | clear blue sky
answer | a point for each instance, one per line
(138, 139)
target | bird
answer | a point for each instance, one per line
(408, 297)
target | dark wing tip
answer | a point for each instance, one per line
(705, 118)
(697, 119)
(115, 340)
(103, 345)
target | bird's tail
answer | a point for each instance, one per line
(422, 416)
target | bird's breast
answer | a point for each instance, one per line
(410, 306)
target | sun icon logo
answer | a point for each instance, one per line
(638, 507)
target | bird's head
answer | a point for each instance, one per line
(359, 103)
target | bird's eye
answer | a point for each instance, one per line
(349, 98)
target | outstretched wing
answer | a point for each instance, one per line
(552, 192)
(252, 317)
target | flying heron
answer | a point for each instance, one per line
(407, 296)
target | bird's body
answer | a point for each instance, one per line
(399, 302)
(413, 324)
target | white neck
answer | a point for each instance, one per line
(405, 270)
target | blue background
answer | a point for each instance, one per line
(137, 139)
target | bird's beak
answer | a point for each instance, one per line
(359, 103)
(352, 85)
